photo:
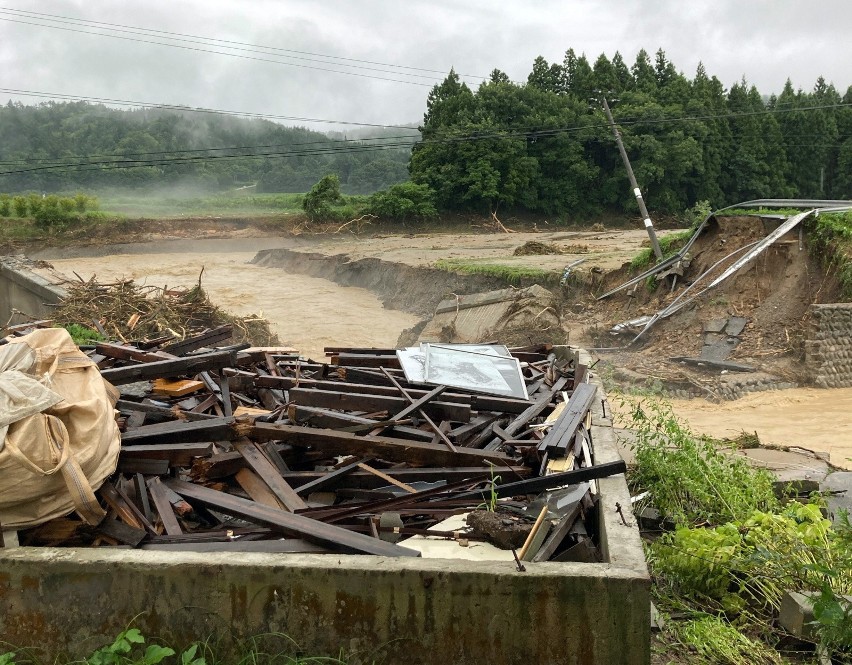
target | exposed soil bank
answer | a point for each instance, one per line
(415, 289)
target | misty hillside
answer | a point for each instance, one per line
(77, 145)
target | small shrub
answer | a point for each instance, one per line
(404, 202)
(67, 204)
(320, 201)
(34, 203)
(20, 204)
(83, 335)
(5, 205)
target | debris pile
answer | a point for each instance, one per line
(127, 310)
(239, 448)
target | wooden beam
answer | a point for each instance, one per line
(330, 478)
(169, 368)
(305, 527)
(214, 429)
(257, 489)
(476, 402)
(373, 403)
(541, 484)
(561, 433)
(332, 442)
(164, 507)
(270, 475)
(176, 454)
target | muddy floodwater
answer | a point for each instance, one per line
(309, 313)
(305, 312)
(819, 420)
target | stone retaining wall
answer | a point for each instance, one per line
(828, 349)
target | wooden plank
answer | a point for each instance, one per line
(124, 508)
(330, 478)
(164, 507)
(386, 477)
(556, 441)
(142, 494)
(123, 533)
(557, 535)
(365, 360)
(120, 352)
(176, 387)
(126, 406)
(264, 468)
(531, 412)
(147, 467)
(214, 429)
(541, 484)
(327, 418)
(206, 338)
(372, 403)
(305, 527)
(332, 442)
(176, 454)
(169, 368)
(477, 402)
(257, 489)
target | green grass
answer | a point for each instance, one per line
(131, 647)
(213, 204)
(669, 245)
(832, 235)
(513, 274)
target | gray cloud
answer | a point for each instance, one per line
(765, 40)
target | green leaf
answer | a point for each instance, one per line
(134, 636)
(7, 658)
(155, 654)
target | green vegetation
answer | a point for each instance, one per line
(689, 479)
(83, 335)
(241, 151)
(832, 235)
(513, 274)
(711, 640)
(129, 648)
(403, 202)
(670, 244)
(545, 149)
(734, 550)
(319, 203)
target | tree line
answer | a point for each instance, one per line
(33, 137)
(545, 145)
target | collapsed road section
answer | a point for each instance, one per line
(385, 499)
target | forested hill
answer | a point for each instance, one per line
(544, 145)
(91, 141)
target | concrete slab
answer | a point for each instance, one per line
(805, 470)
(840, 499)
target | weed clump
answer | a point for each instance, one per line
(688, 479)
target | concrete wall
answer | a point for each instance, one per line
(24, 291)
(409, 611)
(828, 349)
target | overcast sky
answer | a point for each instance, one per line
(765, 40)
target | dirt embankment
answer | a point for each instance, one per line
(414, 289)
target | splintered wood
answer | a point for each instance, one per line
(258, 449)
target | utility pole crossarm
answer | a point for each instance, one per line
(649, 225)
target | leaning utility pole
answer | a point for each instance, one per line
(636, 191)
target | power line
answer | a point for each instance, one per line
(232, 55)
(179, 107)
(227, 41)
